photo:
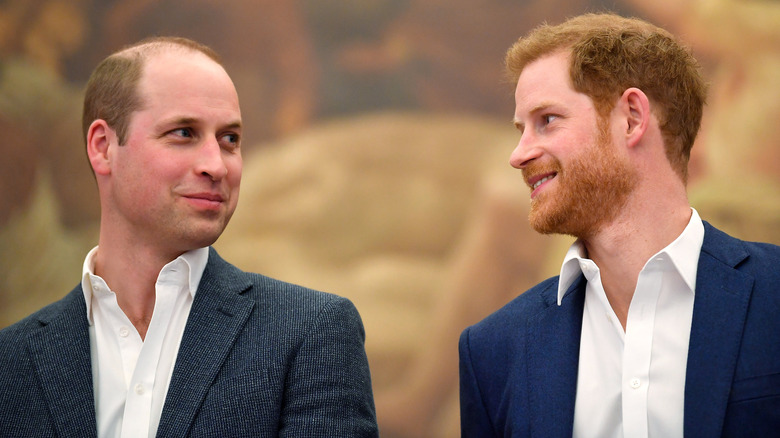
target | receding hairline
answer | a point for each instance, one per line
(112, 90)
(154, 46)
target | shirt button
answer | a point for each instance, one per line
(124, 332)
(139, 389)
(635, 383)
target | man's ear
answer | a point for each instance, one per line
(635, 108)
(99, 137)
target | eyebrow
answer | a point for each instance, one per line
(192, 121)
(234, 125)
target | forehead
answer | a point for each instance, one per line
(178, 77)
(544, 76)
(546, 82)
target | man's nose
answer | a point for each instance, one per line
(211, 161)
(527, 150)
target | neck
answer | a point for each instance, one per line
(131, 271)
(621, 249)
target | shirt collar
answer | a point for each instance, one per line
(683, 252)
(193, 261)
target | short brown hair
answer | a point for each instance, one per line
(111, 92)
(610, 54)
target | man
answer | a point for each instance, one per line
(659, 325)
(163, 337)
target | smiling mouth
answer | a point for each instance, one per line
(205, 201)
(542, 181)
(539, 178)
(212, 197)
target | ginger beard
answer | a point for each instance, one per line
(589, 193)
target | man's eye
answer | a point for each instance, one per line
(182, 132)
(548, 118)
(230, 141)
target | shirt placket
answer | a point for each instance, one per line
(637, 351)
(138, 407)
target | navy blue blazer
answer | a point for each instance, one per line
(258, 358)
(518, 367)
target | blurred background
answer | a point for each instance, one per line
(376, 155)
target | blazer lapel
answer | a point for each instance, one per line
(217, 316)
(60, 355)
(553, 354)
(719, 312)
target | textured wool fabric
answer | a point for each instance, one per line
(259, 357)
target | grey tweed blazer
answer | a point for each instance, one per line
(258, 358)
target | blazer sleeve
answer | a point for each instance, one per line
(328, 387)
(474, 419)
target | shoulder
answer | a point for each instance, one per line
(15, 341)
(311, 347)
(763, 261)
(514, 315)
(42, 317)
(298, 300)
(493, 355)
(280, 301)
(728, 264)
(758, 259)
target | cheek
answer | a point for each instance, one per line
(235, 168)
(151, 179)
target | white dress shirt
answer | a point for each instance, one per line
(631, 384)
(131, 375)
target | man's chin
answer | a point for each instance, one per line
(542, 222)
(548, 221)
(198, 237)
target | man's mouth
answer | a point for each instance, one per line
(540, 178)
(214, 197)
(542, 181)
(205, 200)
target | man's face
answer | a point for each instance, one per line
(174, 184)
(579, 180)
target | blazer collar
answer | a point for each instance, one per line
(553, 360)
(218, 314)
(719, 312)
(60, 356)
